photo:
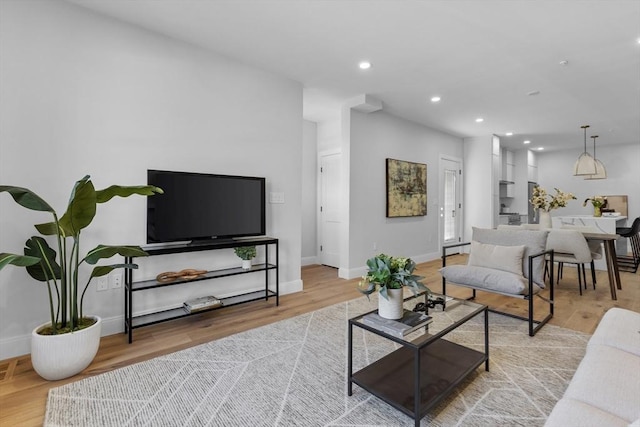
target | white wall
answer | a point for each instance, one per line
(623, 177)
(375, 137)
(478, 184)
(309, 192)
(85, 94)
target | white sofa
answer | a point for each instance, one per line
(605, 390)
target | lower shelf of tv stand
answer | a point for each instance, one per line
(178, 312)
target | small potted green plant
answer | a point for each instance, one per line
(246, 253)
(598, 203)
(389, 275)
(69, 341)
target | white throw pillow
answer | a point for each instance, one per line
(506, 258)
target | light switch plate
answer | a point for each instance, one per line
(276, 197)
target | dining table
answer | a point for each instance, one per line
(609, 242)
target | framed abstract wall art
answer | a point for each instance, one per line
(406, 188)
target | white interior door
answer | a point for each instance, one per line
(330, 182)
(451, 208)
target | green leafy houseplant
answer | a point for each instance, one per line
(246, 252)
(60, 270)
(387, 272)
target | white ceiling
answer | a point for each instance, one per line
(482, 57)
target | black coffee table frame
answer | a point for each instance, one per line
(439, 364)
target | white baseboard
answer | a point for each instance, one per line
(310, 260)
(21, 345)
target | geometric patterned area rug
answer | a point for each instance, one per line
(293, 373)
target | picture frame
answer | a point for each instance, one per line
(406, 188)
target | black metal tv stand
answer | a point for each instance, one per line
(132, 322)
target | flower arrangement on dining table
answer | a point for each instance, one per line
(546, 202)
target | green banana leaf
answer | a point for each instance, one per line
(17, 260)
(37, 247)
(103, 251)
(27, 198)
(81, 209)
(120, 191)
(103, 270)
(50, 229)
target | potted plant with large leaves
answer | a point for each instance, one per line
(68, 343)
(389, 275)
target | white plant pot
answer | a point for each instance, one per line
(55, 357)
(246, 264)
(391, 308)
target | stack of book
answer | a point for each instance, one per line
(202, 303)
(410, 322)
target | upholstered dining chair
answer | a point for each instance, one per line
(594, 246)
(570, 247)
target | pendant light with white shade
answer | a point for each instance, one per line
(601, 172)
(585, 165)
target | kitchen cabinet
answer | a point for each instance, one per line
(507, 180)
(532, 166)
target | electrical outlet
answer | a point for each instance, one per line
(116, 280)
(375, 246)
(102, 283)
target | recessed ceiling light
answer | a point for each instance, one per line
(479, 120)
(509, 133)
(540, 148)
(533, 93)
(435, 99)
(526, 142)
(564, 63)
(364, 65)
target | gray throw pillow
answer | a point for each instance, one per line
(535, 241)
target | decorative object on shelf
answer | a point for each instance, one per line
(598, 203)
(62, 275)
(406, 188)
(246, 253)
(389, 275)
(201, 304)
(601, 172)
(409, 321)
(544, 203)
(187, 274)
(585, 165)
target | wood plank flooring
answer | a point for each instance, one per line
(23, 393)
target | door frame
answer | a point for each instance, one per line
(319, 228)
(460, 211)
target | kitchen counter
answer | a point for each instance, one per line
(604, 224)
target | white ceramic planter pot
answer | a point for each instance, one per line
(391, 308)
(55, 357)
(246, 264)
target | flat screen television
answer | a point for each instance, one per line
(202, 207)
